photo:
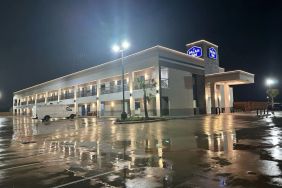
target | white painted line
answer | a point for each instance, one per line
(70, 183)
(36, 163)
(15, 167)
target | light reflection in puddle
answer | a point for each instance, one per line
(155, 154)
(269, 168)
(221, 141)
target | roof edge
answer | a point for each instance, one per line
(110, 62)
(204, 41)
(228, 72)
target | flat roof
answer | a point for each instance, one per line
(158, 47)
(235, 77)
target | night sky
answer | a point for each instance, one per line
(44, 39)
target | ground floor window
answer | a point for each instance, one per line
(137, 107)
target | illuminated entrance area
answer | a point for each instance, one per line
(219, 91)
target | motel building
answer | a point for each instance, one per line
(186, 83)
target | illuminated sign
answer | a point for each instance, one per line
(195, 51)
(212, 53)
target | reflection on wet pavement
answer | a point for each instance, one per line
(209, 151)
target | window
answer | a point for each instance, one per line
(137, 105)
(164, 72)
(142, 77)
(164, 77)
(112, 83)
(93, 90)
(103, 86)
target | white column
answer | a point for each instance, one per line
(231, 97)
(46, 97)
(213, 97)
(75, 100)
(158, 90)
(227, 98)
(98, 106)
(35, 99)
(59, 94)
(131, 88)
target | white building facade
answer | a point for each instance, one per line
(185, 84)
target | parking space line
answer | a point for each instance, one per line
(88, 178)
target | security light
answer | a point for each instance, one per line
(270, 81)
(116, 48)
(125, 45)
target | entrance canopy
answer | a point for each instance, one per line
(236, 77)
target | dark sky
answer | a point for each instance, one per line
(44, 39)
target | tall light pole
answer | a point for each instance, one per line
(270, 82)
(121, 48)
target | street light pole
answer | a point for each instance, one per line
(123, 114)
(116, 48)
(269, 82)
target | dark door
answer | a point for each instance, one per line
(165, 106)
(83, 110)
(88, 109)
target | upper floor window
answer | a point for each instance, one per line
(164, 77)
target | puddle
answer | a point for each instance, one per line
(213, 151)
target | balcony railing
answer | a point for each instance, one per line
(41, 100)
(53, 98)
(87, 93)
(23, 103)
(31, 102)
(67, 96)
(148, 84)
(114, 89)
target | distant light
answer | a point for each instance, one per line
(116, 48)
(270, 81)
(125, 45)
(0, 95)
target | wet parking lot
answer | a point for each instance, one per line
(236, 150)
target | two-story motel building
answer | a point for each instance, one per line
(186, 84)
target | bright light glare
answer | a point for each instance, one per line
(125, 45)
(0, 95)
(270, 82)
(116, 48)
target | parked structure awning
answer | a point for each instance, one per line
(236, 77)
